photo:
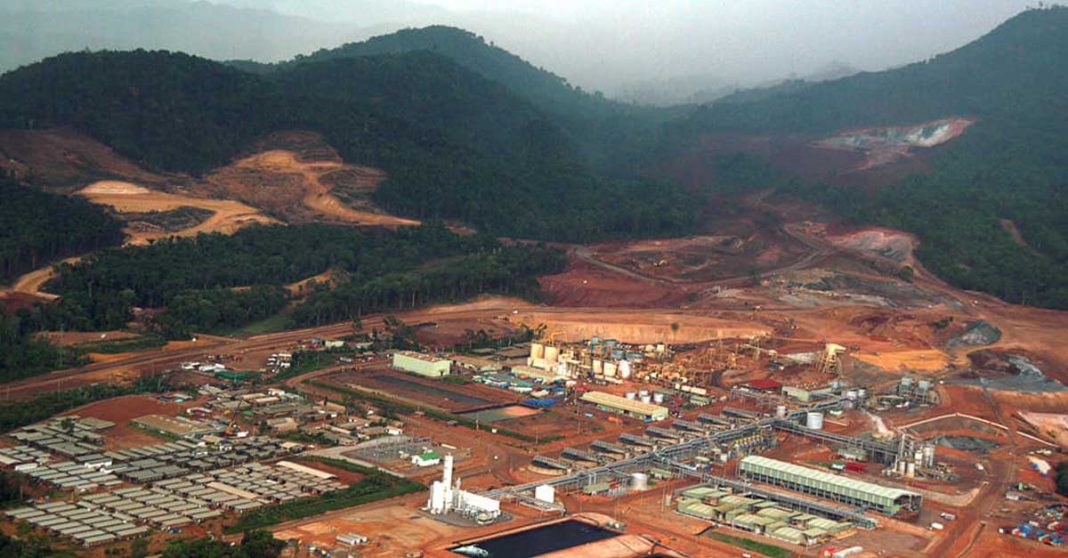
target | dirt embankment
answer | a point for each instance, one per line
(228, 215)
(63, 160)
(297, 175)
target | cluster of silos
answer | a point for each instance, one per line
(922, 458)
(917, 391)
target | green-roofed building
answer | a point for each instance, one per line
(696, 509)
(826, 485)
(788, 534)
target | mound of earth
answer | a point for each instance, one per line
(299, 177)
(976, 334)
(1008, 371)
(892, 245)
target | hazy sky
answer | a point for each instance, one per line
(603, 44)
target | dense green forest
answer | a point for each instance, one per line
(510, 271)
(1010, 166)
(217, 281)
(39, 227)
(454, 144)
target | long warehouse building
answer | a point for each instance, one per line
(631, 407)
(833, 487)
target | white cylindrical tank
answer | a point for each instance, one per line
(658, 397)
(660, 347)
(780, 411)
(814, 420)
(910, 470)
(643, 392)
(551, 354)
(610, 370)
(639, 482)
(598, 366)
(537, 350)
(928, 455)
(624, 369)
(631, 395)
(561, 369)
(862, 393)
(645, 398)
(851, 395)
(437, 497)
(545, 493)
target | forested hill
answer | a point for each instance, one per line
(1018, 68)
(547, 90)
(1009, 170)
(454, 144)
(615, 138)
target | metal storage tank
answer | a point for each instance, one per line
(780, 411)
(646, 398)
(851, 395)
(545, 493)
(551, 354)
(624, 370)
(639, 481)
(609, 369)
(631, 395)
(658, 397)
(814, 420)
(537, 350)
(910, 469)
(906, 382)
(598, 366)
(643, 392)
(923, 385)
(561, 369)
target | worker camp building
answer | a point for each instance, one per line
(422, 364)
(832, 487)
(630, 407)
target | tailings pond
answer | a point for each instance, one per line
(537, 541)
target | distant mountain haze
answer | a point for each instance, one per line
(613, 46)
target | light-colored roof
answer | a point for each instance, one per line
(607, 399)
(422, 356)
(826, 478)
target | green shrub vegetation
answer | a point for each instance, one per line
(1061, 476)
(769, 550)
(22, 355)
(254, 544)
